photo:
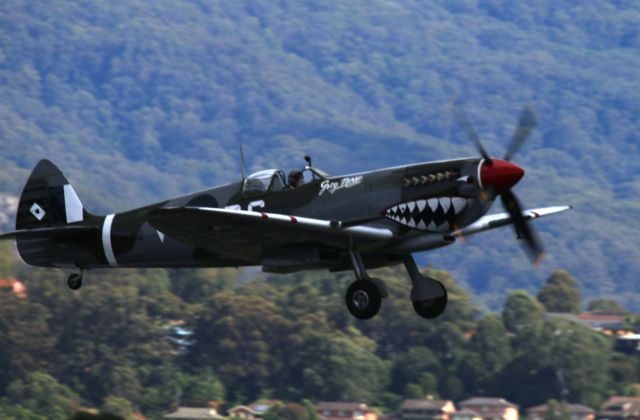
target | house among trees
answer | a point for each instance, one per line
(194, 413)
(466, 414)
(561, 410)
(618, 408)
(252, 411)
(491, 408)
(610, 324)
(345, 410)
(15, 286)
(629, 343)
(427, 410)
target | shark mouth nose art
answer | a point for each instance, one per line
(432, 214)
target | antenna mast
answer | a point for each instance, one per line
(244, 169)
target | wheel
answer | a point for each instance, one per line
(74, 281)
(433, 307)
(363, 299)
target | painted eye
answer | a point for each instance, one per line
(465, 179)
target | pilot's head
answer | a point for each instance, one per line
(295, 178)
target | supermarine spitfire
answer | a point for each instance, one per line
(348, 222)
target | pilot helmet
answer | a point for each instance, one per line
(294, 176)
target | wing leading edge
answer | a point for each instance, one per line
(492, 221)
(229, 232)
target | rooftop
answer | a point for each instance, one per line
(621, 404)
(571, 408)
(437, 404)
(193, 413)
(486, 401)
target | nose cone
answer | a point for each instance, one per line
(500, 174)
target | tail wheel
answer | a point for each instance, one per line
(432, 308)
(74, 282)
(363, 299)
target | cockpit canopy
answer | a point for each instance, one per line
(259, 183)
(271, 180)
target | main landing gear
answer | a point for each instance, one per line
(429, 296)
(364, 296)
(74, 282)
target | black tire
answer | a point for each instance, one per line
(74, 282)
(363, 299)
(431, 308)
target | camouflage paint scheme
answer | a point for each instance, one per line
(355, 221)
(137, 243)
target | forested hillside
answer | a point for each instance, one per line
(138, 100)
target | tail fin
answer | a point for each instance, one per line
(48, 200)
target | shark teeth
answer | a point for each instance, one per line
(445, 202)
(433, 203)
(458, 204)
(436, 214)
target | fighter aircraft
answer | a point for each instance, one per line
(286, 224)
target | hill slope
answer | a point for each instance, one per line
(139, 101)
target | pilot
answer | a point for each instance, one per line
(295, 178)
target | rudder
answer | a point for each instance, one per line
(48, 200)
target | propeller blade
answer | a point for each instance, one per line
(527, 123)
(462, 119)
(533, 245)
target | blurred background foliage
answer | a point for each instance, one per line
(113, 345)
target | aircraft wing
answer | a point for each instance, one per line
(246, 233)
(492, 221)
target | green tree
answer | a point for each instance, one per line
(43, 395)
(556, 411)
(408, 368)
(198, 285)
(560, 293)
(492, 344)
(329, 356)
(521, 310)
(117, 406)
(25, 338)
(110, 344)
(288, 411)
(623, 373)
(310, 409)
(492, 347)
(557, 357)
(606, 306)
(413, 391)
(236, 332)
(17, 412)
(200, 388)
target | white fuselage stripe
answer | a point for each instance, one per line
(106, 240)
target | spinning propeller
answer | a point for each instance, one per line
(498, 176)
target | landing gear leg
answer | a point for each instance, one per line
(364, 296)
(429, 296)
(74, 282)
